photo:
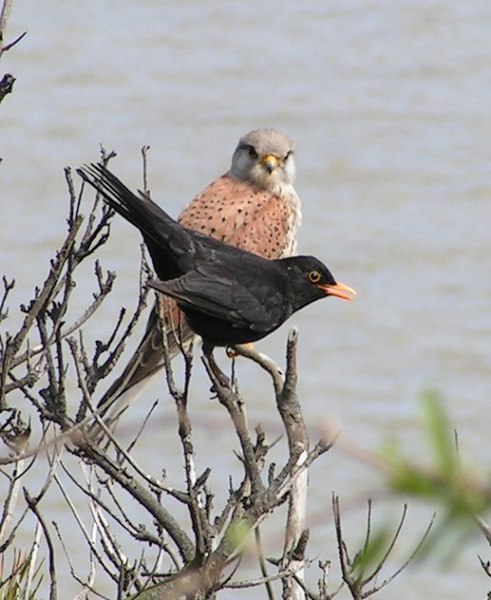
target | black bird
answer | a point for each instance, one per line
(229, 296)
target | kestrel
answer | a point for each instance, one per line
(253, 206)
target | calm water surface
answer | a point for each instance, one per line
(389, 105)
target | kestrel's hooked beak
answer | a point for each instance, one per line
(340, 290)
(270, 162)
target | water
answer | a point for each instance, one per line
(389, 105)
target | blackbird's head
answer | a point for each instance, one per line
(311, 280)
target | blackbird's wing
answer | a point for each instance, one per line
(228, 298)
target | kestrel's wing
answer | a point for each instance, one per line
(239, 214)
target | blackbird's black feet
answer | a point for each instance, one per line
(219, 375)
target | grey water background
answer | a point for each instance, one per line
(389, 104)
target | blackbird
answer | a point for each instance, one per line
(229, 296)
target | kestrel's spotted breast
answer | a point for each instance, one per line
(243, 215)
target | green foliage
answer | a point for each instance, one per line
(446, 481)
(372, 554)
(463, 495)
(23, 579)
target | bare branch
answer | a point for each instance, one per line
(32, 503)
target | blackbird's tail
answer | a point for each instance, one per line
(141, 211)
(166, 240)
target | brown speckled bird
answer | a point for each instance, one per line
(253, 206)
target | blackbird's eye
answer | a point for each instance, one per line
(252, 152)
(314, 276)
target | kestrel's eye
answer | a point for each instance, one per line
(252, 152)
(314, 276)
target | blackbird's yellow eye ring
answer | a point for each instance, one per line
(314, 276)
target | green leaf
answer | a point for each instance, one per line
(440, 436)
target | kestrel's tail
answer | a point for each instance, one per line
(147, 361)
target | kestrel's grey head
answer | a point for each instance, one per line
(264, 157)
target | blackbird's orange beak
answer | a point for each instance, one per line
(340, 290)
